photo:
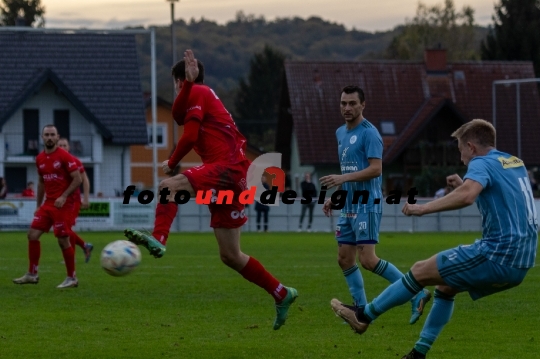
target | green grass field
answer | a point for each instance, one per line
(189, 305)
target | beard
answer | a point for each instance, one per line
(50, 145)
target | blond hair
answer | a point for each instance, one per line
(478, 131)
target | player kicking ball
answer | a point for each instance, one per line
(211, 131)
(499, 184)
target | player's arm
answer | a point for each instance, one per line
(75, 182)
(185, 144)
(40, 192)
(462, 196)
(327, 207)
(86, 190)
(180, 104)
(372, 171)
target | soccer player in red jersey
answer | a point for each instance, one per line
(74, 238)
(59, 176)
(211, 131)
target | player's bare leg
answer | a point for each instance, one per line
(34, 253)
(252, 270)
(165, 214)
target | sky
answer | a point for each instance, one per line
(367, 15)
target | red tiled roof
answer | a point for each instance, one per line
(405, 93)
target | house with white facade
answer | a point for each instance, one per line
(86, 84)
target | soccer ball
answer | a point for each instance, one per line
(120, 257)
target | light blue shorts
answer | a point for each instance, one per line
(465, 269)
(358, 228)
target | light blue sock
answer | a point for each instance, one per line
(388, 271)
(439, 315)
(394, 295)
(356, 285)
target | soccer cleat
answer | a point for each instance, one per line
(88, 247)
(414, 355)
(147, 241)
(69, 282)
(282, 308)
(27, 279)
(418, 304)
(348, 313)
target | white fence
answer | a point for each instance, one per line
(112, 214)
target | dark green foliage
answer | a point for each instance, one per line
(31, 10)
(515, 34)
(438, 25)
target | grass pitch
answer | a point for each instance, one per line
(189, 305)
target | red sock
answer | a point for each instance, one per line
(69, 259)
(72, 240)
(255, 273)
(165, 214)
(34, 252)
(78, 240)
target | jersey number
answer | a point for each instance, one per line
(529, 199)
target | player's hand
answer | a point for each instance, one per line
(327, 208)
(454, 181)
(166, 169)
(192, 68)
(85, 204)
(59, 203)
(413, 209)
(331, 181)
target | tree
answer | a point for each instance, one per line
(30, 10)
(515, 34)
(437, 25)
(257, 99)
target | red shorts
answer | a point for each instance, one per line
(219, 177)
(48, 215)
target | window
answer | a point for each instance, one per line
(161, 135)
(61, 122)
(388, 128)
(31, 132)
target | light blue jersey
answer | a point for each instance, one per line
(355, 147)
(506, 203)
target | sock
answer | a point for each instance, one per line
(438, 317)
(78, 241)
(34, 252)
(69, 260)
(356, 285)
(165, 214)
(396, 294)
(388, 271)
(255, 273)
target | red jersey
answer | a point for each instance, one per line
(76, 195)
(55, 168)
(219, 140)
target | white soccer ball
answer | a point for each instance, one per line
(120, 257)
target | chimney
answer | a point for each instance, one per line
(435, 60)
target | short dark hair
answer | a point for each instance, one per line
(352, 89)
(49, 125)
(179, 71)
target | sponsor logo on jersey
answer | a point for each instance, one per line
(344, 153)
(57, 164)
(194, 108)
(349, 168)
(51, 177)
(353, 139)
(510, 162)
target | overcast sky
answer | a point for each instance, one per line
(369, 15)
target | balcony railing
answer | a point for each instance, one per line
(15, 146)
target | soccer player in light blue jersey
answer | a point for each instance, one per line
(499, 185)
(357, 232)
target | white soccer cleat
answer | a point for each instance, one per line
(27, 279)
(69, 282)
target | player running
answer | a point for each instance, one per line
(499, 185)
(357, 232)
(74, 238)
(210, 130)
(59, 176)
